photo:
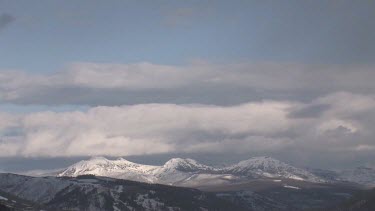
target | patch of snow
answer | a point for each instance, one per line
(148, 203)
(120, 189)
(292, 187)
(296, 178)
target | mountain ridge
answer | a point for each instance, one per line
(189, 172)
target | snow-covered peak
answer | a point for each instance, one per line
(98, 159)
(121, 159)
(263, 162)
(102, 160)
(179, 170)
(101, 166)
(185, 164)
(176, 162)
(265, 166)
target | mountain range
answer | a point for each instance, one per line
(190, 173)
(92, 193)
(187, 172)
(259, 183)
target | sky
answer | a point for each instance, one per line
(217, 81)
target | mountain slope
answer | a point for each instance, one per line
(362, 201)
(93, 193)
(106, 194)
(9, 202)
(360, 175)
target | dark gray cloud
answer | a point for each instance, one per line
(5, 20)
(309, 111)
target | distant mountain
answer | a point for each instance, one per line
(188, 172)
(360, 175)
(177, 171)
(259, 183)
(41, 172)
(328, 175)
(260, 167)
(187, 165)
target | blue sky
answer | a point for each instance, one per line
(46, 35)
(49, 34)
(225, 78)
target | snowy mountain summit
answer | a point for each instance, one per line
(270, 167)
(188, 172)
(186, 165)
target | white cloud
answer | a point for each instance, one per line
(143, 129)
(7, 120)
(169, 128)
(364, 147)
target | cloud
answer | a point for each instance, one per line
(205, 83)
(265, 126)
(140, 129)
(309, 111)
(5, 20)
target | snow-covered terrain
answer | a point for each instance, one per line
(188, 172)
(260, 167)
(177, 171)
(360, 175)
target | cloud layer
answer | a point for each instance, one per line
(220, 84)
(338, 123)
(145, 108)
